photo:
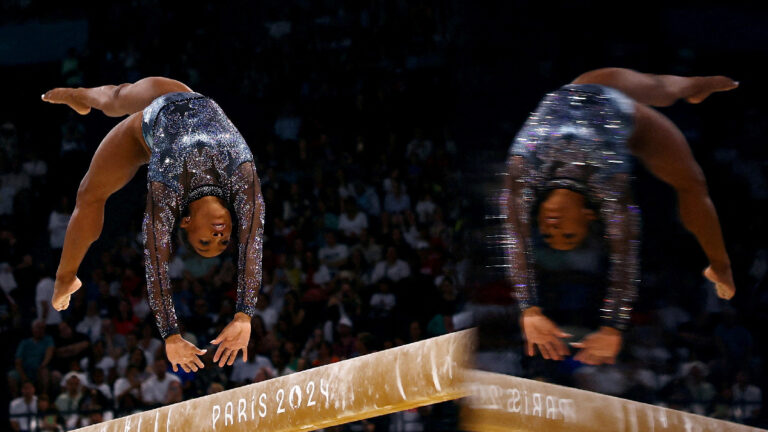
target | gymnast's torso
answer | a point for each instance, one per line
(192, 141)
(196, 151)
(577, 139)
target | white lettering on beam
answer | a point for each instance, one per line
(488, 397)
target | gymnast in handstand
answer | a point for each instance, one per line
(201, 171)
(570, 165)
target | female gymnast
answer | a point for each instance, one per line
(570, 164)
(200, 171)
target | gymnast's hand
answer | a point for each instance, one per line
(540, 332)
(599, 347)
(182, 353)
(232, 339)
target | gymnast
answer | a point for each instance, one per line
(201, 171)
(570, 165)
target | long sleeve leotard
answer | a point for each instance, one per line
(577, 140)
(197, 152)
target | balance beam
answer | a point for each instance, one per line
(414, 375)
(506, 403)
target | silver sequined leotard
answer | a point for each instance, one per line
(196, 152)
(576, 139)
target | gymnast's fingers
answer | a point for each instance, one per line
(198, 362)
(185, 367)
(562, 348)
(553, 350)
(224, 356)
(219, 351)
(544, 351)
(232, 356)
(529, 349)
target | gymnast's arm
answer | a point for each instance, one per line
(657, 90)
(115, 100)
(540, 332)
(249, 208)
(517, 234)
(163, 205)
(621, 219)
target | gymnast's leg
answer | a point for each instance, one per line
(657, 90)
(115, 162)
(663, 149)
(115, 100)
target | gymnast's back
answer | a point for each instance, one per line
(192, 142)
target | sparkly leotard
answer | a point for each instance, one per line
(576, 139)
(197, 152)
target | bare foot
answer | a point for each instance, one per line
(723, 281)
(66, 96)
(62, 292)
(709, 85)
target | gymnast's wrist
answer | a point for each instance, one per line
(242, 316)
(532, 310)
(613, 331)
(174, 338)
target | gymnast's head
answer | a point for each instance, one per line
(564, 219)
(208, 226)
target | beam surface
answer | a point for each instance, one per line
(506, 403)
(397, 379)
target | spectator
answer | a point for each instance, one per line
(91, 323)
(7, 281)
(733, 340)
(70, 347)
(45, 311)
(419, 146)
(125, 322)
(175, 393)
(154, 391)
(148, 342)
(372, 251)
(69, 400)
(391, 268)
(23, 410)
(97, 358)
(702, 392)
(256, 366)
(324, 355)
(333, 254)
(367, 199)
(128, 390)
(425, 208)
(32, 358)
(96, 381)
(267, 313)
(57, 223)
(48, 419)
(352, 222)
(747, 399)
(396, 201)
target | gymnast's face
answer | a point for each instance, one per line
(208, 226)
(564, 219)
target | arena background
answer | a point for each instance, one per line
(345, 98)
